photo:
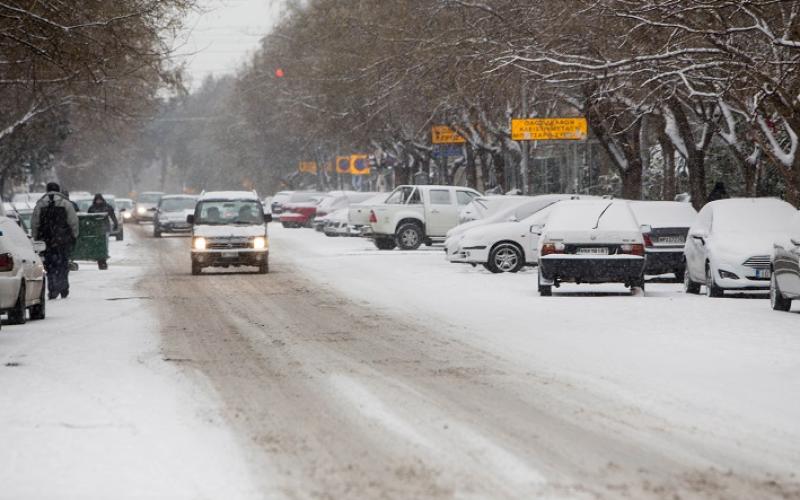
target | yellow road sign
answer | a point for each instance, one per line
(549, 129)
(359, 165)
(308, 167)
(442, 134)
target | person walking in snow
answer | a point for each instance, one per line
(55, 222)
(718, 193)
(101, 206)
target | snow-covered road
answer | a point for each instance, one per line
(353, 373)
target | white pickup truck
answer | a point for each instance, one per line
(412, 215)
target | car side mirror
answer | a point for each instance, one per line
(267, 218)
(39, 246)
(190, 219)
(699, 234)
(537, 229)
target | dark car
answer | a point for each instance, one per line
(665, 225)
(170, 215)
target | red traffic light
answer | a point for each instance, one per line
(279, 73)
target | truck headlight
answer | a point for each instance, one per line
(260, 243)
(199, 243)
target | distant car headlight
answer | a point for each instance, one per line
(126, 215)
(260, 243)
(141, 210)
(199, 243)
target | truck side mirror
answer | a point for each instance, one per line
(537, 229)
(190, 219)
(267, 218)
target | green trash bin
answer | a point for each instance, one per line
(92, 241)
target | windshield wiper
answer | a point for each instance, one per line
(601, 216)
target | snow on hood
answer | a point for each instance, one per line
(739, 246)
(229, 231)
(664, 213)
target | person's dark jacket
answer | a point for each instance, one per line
(104, 208)
(54, 221)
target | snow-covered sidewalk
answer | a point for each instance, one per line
(89, 409)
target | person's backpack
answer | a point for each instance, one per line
(54, 228)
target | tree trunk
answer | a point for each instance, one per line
(668, 187)
(471, 169)
(499, 162)
(632, 179)
(697, 179)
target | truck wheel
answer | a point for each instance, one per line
(196, 268)
(505, 258)
(385, 243)
(39, 311)
(409, 236)
(263, 268)
(16, 316)
(545, 290)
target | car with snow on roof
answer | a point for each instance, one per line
(229, 229)
(590, 241)
(730, 244)
(785, 267)
(665, 225)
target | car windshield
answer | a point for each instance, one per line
(124, 204)
(239, 212)
(177, 204)
(149, 198)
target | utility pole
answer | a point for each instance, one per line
(524, 163)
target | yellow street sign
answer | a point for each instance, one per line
(342, 164)
(548, 129)
(308, 167)
(359, 165)
(442, 134)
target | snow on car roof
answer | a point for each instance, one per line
(664, 213)
(229, 195)
(583, 215)
(752, 214)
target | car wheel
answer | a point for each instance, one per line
(544, 290)
(637, 283)
(196, 268)
(39, 311)
(505, 258)
(776, 298)
(409, 236)
(17, 315)
(712, 290)
(385, 243)
(679, 274)
(690, 286)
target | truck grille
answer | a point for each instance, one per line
(227, 245)
(757, 262)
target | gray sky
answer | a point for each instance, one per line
(220, 39)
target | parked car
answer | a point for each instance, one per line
(590, 241)
(301, 214)
(336, 224)
(730, 244)
(172, 212)
(229, 228)
(337, 200)
(22, 277)
(413, 215)
(501, 242)
(26, 197)
(124, 208)
(146, 205)
(484, 206)
(785, 267)
(24, 214)
(665, 225)
(281, 197)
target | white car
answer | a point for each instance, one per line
(229, 228)
(785, 267)
(665, 225)
(480, 241)
(484, 206)
(730, 244)
(22, 278)
(590, 241)
(336, 223)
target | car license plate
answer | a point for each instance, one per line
(763, 273)
(230, 255)
(593, 251)
(671, 240)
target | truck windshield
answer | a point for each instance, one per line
(237, 212)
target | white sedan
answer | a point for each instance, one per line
(730, 244)
(22, 278)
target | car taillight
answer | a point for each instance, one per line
(635, 249)
(648, 241)
(6, 262)
(372, 217)
(551, 248)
